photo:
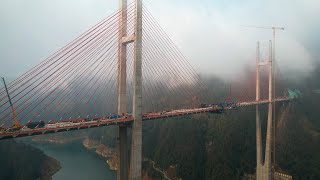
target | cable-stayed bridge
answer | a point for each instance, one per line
(123, 71)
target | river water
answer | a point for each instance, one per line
(77, 162)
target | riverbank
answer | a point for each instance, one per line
(109, 153)
(150, 171)
(76, 161)
(50, 166)
(57, 139)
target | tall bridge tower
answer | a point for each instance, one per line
(264, 166)
(134, 172)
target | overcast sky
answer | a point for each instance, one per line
(210, 33)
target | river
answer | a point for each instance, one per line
(77, 162)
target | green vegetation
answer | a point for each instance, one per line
(23, 162)
(210, 146)
(223, 146)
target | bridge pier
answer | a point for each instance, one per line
(264, 166)
(135, 172)
(123, 153)
(258, 143)
(136, 142)
(122, 173)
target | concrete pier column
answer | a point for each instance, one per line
(264, 169)
(258, 145)
(136, 142)
(258, 72)
(123, 154)
(122, 173)
(258, 123)
(267, 161)
(270, 72)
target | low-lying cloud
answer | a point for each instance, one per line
(209, 33)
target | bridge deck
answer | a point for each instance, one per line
(70, 125)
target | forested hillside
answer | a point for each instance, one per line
(222, 146)
(24, 162)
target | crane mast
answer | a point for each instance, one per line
(16, 125)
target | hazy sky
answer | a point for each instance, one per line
(210, 33)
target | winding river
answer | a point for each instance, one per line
(77, 162)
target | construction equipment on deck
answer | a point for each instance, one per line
(16, 124)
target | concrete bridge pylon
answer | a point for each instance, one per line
(264, 165)
(135, 170)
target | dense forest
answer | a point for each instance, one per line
(20, 161)
(223, 146)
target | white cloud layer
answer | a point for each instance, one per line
(209, 33)
(215, 40)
